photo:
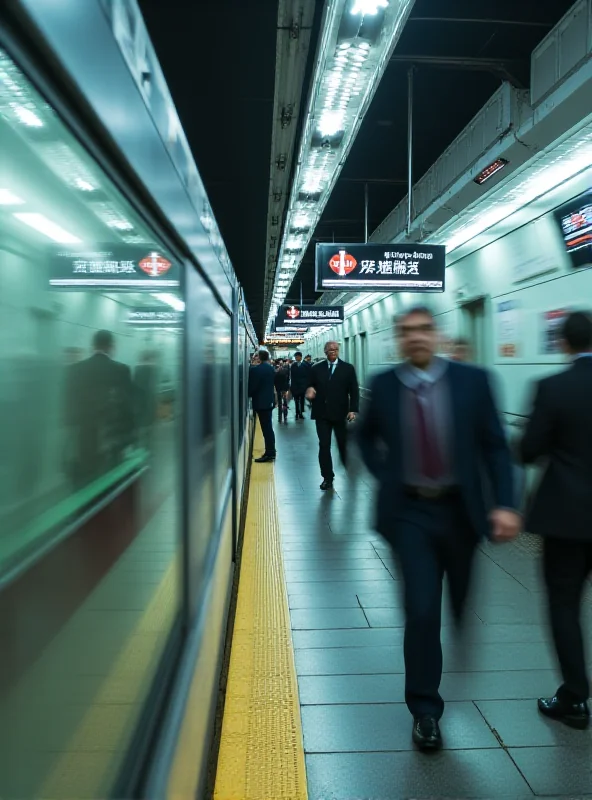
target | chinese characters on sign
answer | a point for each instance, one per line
(115, 267)
(370, 267)
(154, 317)
(308, 316)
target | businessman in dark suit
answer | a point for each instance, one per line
(263, 397)
(559, 433)
(99, 410)
(429, 435)
(333, 390)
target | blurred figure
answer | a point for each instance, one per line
(282, 387)
(299, 381)
(255, 360)
(72, 355)
(308, 360)
(462, 351)
(333, 390)
(560, 432)
(430, 430)
(263, 396)
(146, 386)
(99, 410)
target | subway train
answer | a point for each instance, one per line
(125, 432)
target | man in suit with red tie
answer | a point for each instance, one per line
(430, 434)
(333, 390)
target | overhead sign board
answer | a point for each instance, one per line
(575, 221)
(160, 317)
(308, 316)
(380, 267)
(114, 267)
(274, 341)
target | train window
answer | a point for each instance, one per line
(223, 432)
(91, 331)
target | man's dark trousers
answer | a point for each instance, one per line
(433, 538)
(299, 403)
(267, 430)
(567, 565)
(325, 427)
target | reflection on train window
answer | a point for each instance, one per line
(91, 328)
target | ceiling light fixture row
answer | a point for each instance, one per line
(357, 40)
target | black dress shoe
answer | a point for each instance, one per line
(426, 733)
(576, 715)
(326, 485)
(264, 459)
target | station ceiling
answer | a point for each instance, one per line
(218, 57)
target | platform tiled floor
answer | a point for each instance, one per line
(347, 621)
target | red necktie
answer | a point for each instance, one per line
(429, 451)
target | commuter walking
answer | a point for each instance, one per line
(333, 390)
(560, 433)
(282, 388)
(430, 431)
(299, 381)
(462, 351)
(263, 397)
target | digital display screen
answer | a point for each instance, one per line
(575, 222)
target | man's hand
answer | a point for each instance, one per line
(311, 393)
(351, 416)
(506, 524)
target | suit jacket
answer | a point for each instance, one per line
(481, 459)
(261, 386)
(560, 432)
(299, 377)
(335, 398)
(282, 379)
(100, 405)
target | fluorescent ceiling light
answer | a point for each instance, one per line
(370, 7)
(121, 225)
(331, 123)
(7, 198)
(27, 117)
(171, 300)
(345, 78)
(48, 228)
(84, 186)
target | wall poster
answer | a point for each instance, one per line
(551, 323)
(509, 329)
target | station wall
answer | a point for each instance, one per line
(502, 297)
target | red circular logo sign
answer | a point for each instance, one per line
(155, 265)
(293, 312)
(343, 263)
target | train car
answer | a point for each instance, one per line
(124, 422)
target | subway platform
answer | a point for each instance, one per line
(314, 704)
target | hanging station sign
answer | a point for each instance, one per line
(113, 267)
(308, 316)
(380, 267)
(154, 317)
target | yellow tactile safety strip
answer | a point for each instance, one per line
(261, 751)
